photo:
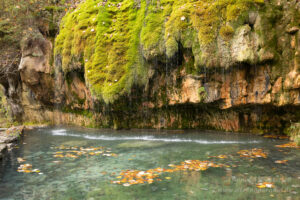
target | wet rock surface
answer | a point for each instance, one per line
(250, 82)
(8, 138)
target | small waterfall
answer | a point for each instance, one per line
(58, 82)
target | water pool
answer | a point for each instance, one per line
(99, 156)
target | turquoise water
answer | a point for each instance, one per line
(90, 176)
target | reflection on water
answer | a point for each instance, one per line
(89, 176)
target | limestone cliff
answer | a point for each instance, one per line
(229, 64)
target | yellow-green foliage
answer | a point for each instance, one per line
(77, 36)
(226, 32)
(111, 38)
(5, 119)
(153, 29)
(2, 103)
(294, 132)
(104, 36)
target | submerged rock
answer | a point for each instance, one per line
(73, 143)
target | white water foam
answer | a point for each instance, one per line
(63, 132)
(59, 132)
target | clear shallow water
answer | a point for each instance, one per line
(89, 177)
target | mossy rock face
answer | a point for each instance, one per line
(294, 132)
(111, 39)
(226, 32)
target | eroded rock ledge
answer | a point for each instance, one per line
(8, 138)
(115, 66)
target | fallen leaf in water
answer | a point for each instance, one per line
(260, 186)
(20, 160)
(58, 156)
(68, 155)
(289, 145)
(281, 161)
(79, 151)
(265, 185)
(277, 136)
(222, 156)
(283, 137)
(253, 153)
(27, 168)
(134, 177)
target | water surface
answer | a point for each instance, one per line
(90, 176)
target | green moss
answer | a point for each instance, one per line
(36, 123)
(77, 35)
(85, 113)
(111, 39)
(226, 32)
(52, 8)
(202, 93)
(5, 119)
(153, 28)
(294, 132)
(107, 36)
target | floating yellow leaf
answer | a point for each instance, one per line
(79, 151)
(289, 145)
(222, 156)
(253, 153)
(20, 160)
(134, 177)
(277, 136)
(260, 186)
(27, 168)
(68, 155)
(265, 185)
(58, 156)
(281, 161)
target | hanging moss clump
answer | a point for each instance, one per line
(110, 39)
